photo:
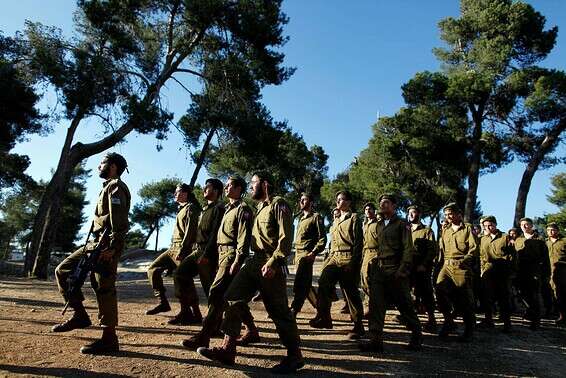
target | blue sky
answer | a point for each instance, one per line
(351, 59)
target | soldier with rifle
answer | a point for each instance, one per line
(109, 228)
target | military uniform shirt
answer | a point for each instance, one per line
(272, 231)
(235, 229)
(111, 212)
(347, 236)
(459, 244)
(393, 242)
(186, 225)
(310, 235)
(557, 251)
(425, 246)
(207, 231)
(496, 250)
(533, 255)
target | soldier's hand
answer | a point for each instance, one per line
(106, 256)
(234, 268)
(267, 271)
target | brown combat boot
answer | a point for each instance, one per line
(250, 336)
(196, 341)
(80, 319)
(290, 364)
(225, 354)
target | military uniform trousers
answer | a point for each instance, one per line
(187, 271)
(336, 270)
(385, 287)
(369, 255)
(424, 293)
(222, 280)
(274, 294)
(496, 285)
(302, 286)
(103, 284)
(166, 261)
(454, 287)
(529, 287)
(559, 286)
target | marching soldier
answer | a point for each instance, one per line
(271, 243)
(310, 240)
(459, 249)
(556, 244)
(233, 243)
(425, 254)
(367, 254)
(184, 236)
(111, 214)
(532, 254)
(342, 266)
(497, 257)
(204, 258)
(390, 240)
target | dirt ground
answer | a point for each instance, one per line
(151, 348)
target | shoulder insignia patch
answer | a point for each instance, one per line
(115, 201)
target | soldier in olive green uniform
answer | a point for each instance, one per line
(233, 243)
(204, 258)
(184, 236)
(532, 254)
(556, 244)
(458, 249)
(390, 239)
(111, 214)
(271, 243)
(425, 254)
(497, 257)
(367, 254)
(342, 266)
(310, 240)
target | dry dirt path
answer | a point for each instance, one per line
(150, 347)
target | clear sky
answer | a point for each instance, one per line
(351, 57)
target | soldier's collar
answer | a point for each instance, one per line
(420, 226)
(234, 204)
(370, 221)
(182, 205)
(345, 216)
(309, 214)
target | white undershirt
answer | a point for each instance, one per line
(386, 221)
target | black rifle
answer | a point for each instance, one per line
(88, 263)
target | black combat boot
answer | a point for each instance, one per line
(162, 306)
(107, 344)
(80, 319)
(290, 364)
(374, 345)
(357, 332)
(225, 354)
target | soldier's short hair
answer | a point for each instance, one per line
(239, 182)
(452, 206)
(308, 195)
(389, 197)
(265, 176)
(185, 188)
(489, 218)
(347, 195)
(553, 225)
(118, 160)
(528, 220)
(216, 185)
(370, 205)
(414, 207)
(513, 229)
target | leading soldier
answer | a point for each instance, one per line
(184, 236)
(111, 214)
(310, 240)
(458, 249)
(390, 239)
(556, 244)
(271, 243)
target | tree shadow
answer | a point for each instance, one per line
(55, 371)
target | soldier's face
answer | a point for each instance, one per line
(386, 207)
(336, 214)
(305, 203)
(552, 232)
(414, 216)
(527, 227)
(370, 212)
(513, 234)
(452, 216)
(104, 169)
(490, 227)
(209, 193)
(180, 196)
(257, 189)
(342, 203)
(232, 191)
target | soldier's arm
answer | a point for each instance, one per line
(211, 247)
(473, 247)
(285, 223)
(321, 233)
(118, 204)
(431, 253)
(358, 242)
(191, 225)
(408, 250)
(245, 218)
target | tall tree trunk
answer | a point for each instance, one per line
(202, 155)
(475, 162)
(548, 144)
(147, 237)
(156, 236)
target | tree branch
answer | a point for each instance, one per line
(196, 73)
